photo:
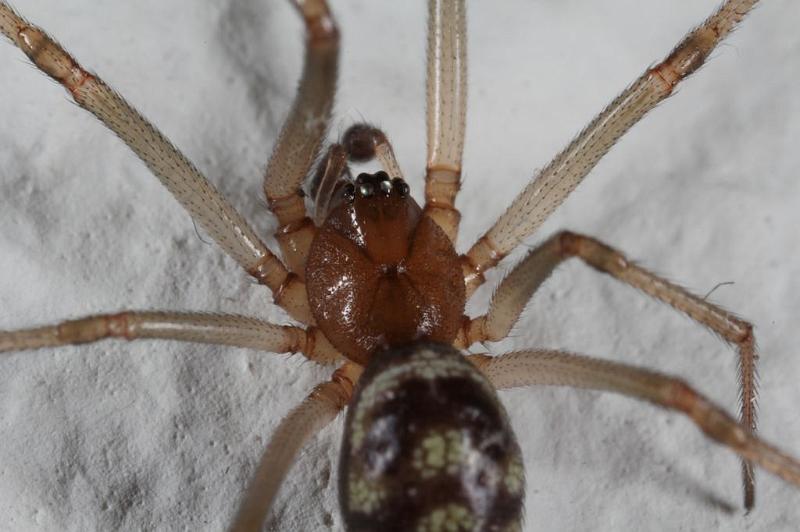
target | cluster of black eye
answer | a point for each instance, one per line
(367, 185)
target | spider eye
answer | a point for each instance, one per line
(400, 186)
(349, 192)
(367, 185)
(366, 190)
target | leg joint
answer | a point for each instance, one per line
(295, 226)
(745, 336)
(320, 25)
(569, 243)
(289, 208)
(284, 287)
(270, 272)
(593, 252)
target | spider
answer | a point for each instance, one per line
(474, 123)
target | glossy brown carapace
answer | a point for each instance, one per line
(383, 274)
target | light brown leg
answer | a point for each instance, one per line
(552, 185)
(321, 407)
(519, 286)
(192, 190)
(540, 367)
(446, 110)
(302, 135)
(218, 329)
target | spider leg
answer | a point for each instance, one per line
(217, 329)
(552, 185)
(543, 367)
(321, 407)
(192, 190)
(446, 110)
(302, 135)
(518, 287)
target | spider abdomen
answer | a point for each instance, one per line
(428, 446)
(383, 273)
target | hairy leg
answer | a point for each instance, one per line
(555, 368)
(321, 407)
(192, 190)
(446, 110)
(302, 135)
(518, 287)
(551, 185)
(218, 329)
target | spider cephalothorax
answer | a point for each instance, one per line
(380, 273)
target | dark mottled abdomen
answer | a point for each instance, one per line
(428, 447)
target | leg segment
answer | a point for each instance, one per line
(217, 329)
(552, 185)
(446, 110)
(192, 190)
(321, 406)
(302, 135)
(519, 286)
(556, 368)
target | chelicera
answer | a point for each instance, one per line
(377, 281)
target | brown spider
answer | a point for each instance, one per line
(521, 344)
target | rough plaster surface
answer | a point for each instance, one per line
(159, 436)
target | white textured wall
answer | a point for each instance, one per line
(157, 435)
